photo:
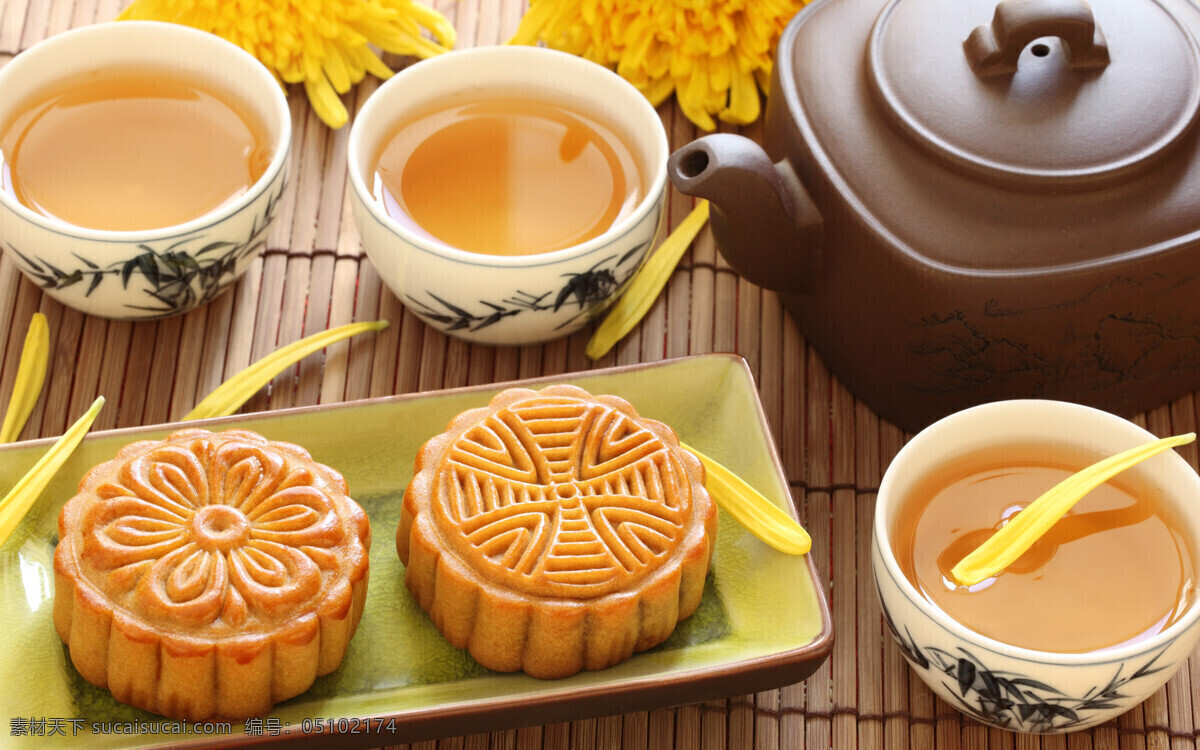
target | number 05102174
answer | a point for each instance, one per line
(348, 726)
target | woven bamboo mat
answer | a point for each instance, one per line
(313, 275)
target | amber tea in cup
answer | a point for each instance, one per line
(130, 149)
(1112, 572)
(507, 175)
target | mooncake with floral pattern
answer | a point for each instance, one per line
(555, 531)
(209, 574)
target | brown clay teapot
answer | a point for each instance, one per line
(962, 201)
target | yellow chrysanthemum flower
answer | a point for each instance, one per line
(712, 53)
(320, 43)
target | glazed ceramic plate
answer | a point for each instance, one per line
(763, 621)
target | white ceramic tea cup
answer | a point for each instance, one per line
(496, 299)
(1006, 686)
(157, 272)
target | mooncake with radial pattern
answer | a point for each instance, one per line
(209, 575)
(555, 531)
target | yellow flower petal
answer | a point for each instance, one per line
(441, 28)
(649, 281)
(325, 102)
(373, 65)
(21, 497)
(231, 394)
(743, 100)
(31, 375)
(757, 514)
(763, 76)
(692, 100)
(336, 71)
(659, 90)
(1013, 539)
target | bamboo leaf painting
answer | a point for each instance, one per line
(183, 274)
(583, 291)
(1016, 701)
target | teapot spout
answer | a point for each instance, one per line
(762, 218)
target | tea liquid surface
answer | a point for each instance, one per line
(130, 150)
(507, 176)
(1110, 572)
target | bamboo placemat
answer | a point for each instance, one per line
(313, 275)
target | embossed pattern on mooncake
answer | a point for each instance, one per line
(230, 570)
(558, 496)
(555, 531)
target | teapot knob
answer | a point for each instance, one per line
(993, 48)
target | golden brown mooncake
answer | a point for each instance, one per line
(209, 575)
(554, 531)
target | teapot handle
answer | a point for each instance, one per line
(992, 49)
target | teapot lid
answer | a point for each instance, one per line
(1044, 93)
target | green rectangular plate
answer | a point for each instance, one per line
(763, 622)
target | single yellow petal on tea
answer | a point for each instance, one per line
(647, 284)
(17, 502)
(760, 516)
(1012, 540)
(31, 375)
(231, 394)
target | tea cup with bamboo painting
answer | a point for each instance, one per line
(98, 218)
(1088, 623)
(460, 223)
